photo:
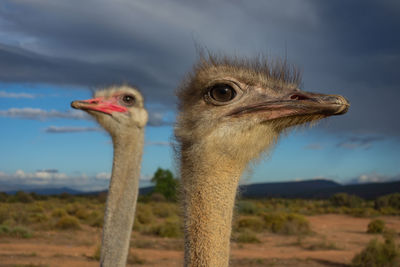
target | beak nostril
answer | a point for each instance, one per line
(298, 97)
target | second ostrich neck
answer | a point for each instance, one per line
(123, 192)
(210, 184)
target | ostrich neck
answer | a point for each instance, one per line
(210, 186)
(121, 200)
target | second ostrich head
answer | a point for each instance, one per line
(116, 108)
(120, 111)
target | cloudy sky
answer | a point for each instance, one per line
(56, 51)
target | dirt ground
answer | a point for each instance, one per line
(336, 239)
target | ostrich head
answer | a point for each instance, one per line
(239, 107)
(116, 108)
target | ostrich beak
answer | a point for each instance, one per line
(298, 103)
(98, 104)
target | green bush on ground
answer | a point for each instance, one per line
(246, 236)
(169, 228)
(254, 223)
(17, 231)
(287, 223)
(378, 254)
(376, 226)
(68, 222)
(346, 200)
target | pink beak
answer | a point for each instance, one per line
(100, 104)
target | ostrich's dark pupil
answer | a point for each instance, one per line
(222, 93)
(128, 99)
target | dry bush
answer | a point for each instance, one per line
(254, 223)
(171, 227)
(96, 253)
(96, 219)
(58, 213)
(4, 213)
(17, 231)
(378, 254)
(144, 214)
(22, 197)
(287, 223)
(376, 226)
(68, 223)
(346, 200)
(135, 259)
(165, 209)
(246, 236)
(247, 207)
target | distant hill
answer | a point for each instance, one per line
(296, 189)
(311, 189)
(318, 189)
(48, 191)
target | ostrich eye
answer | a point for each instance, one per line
(222, 92)
(128, 100)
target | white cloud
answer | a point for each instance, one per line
(51, 178)
(4, 94)
(146, 177)
(43, 174)
(67, 129)
(40, 114)
(103, 176)
(374, 178)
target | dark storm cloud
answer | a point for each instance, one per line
(346, 47)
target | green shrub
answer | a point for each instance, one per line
(4, 213)
(22, 197)
(135, 259)
(96, 219)
(67, 222)
(378, 254)
(96, 253)
(346, 200)
(38, 218)
(157, 197)
(247, 207)
(376, 226)
(82, 213)
(169, 228)
(3, 197)
(254, 223)
(144, 214)
(246, 236)
(58, 213)
(18, 231)
(388, 201)
(287, 223)
(164, 210)
(4, 229)
(72, 209)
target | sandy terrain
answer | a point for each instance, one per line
(335, 241)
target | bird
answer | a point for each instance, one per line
(231, 111)
(120, 110)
